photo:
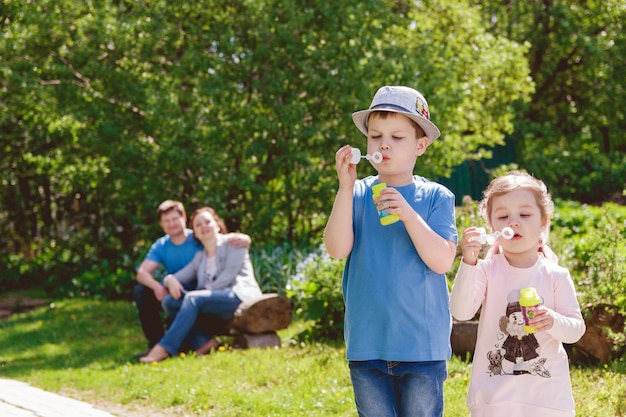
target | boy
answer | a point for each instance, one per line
(397, 320)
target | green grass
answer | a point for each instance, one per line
(85, 348)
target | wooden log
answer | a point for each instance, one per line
(268, 313)
(255, 322)
(463, 338)
(596, 345)
(259, 340)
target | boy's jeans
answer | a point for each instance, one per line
(398, 389)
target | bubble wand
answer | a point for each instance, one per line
(485, 237)
(376, 157)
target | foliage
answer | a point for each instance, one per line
(575, 120)
(316, 291)
(591, 241)
(110, 107)
(82, 348)
(273, 266)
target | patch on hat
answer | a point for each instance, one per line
(422, 107)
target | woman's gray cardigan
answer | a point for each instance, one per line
(234, 271)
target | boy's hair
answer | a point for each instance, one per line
(170, 205)
(514, 180)
(383, 115)
(220, 223)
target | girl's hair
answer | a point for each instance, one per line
(220, 223)
(514, 180)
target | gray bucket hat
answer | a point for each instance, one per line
(403, 100)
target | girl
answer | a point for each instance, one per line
(517, 371)
(225, 279)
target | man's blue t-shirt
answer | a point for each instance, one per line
(397, 309)
(173, 257)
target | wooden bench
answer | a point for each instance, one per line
(255, 322)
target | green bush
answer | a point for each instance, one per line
(316, 292)
(586, 174)
(591, 242)
(274, 265)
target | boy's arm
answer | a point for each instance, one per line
(436, 252)
(338, 234)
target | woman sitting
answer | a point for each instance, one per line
(225, 279)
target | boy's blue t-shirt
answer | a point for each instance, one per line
(173, 257)
(397, 309)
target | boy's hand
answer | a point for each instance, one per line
(391, 200)
(470, 247)
(346, 172)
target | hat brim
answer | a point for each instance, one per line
(360, 120)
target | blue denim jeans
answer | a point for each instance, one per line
(186, 310)
(398, 389)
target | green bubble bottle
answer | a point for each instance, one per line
(528, 300)
(384, 217)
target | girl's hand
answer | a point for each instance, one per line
(543, 319)
(346, 172)
(470, 248)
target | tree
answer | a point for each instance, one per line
(114, 106)
(571, 133)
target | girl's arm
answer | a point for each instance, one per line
(467, 293)
(565, 322)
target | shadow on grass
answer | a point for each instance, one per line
(72, 334)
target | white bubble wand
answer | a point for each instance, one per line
(376, 157)
(484, 237)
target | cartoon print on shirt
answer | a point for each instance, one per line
(495, 362)
(519, 347)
